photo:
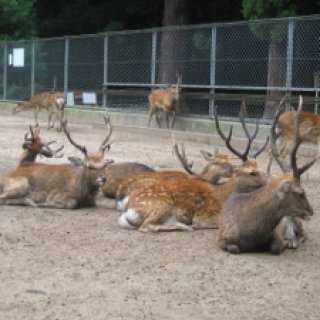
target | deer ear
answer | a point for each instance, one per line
(76, 161)
(284, 188)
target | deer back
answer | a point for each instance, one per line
(118, 172)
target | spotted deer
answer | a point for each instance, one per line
(64, 186)
(165, 100)
(188, 204)
(218, 167)
(309, 128)
(53, 102)
(265, 219)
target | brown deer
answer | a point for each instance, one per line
(309, 128)
(217, 168)
(165, 100)
(117, 173)
(264, 219)
(58, 186)
(187, 204)
(53, 102)
(34, 146)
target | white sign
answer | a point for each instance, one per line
(70, 99)
(17, 57)
(89, 98)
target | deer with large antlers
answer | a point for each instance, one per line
(53, 102)
(187, 204)
(309, 128)
(58, 186)
(264, 219)
(165, 100)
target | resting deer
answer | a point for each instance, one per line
(218, 167)
(164, 100)
(34, 146)
(117, 173)
(255, 221)
(187, 204)
(309, 128)
(53, 102)
(58, 186)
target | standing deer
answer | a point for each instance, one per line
(164, 100)
(53, 102)
(64, 186)
(187, 204)
(264, 219)
(309, 128)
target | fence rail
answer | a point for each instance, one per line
(242, 58)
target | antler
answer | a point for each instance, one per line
(105, 143)
(182, 157)
(243, 156)
(81, 148)
(32, 134)
(297, 172)
(55, 153)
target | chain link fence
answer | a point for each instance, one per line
(220, 64)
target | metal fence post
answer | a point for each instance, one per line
(66, 65)
(153, 57)
(289, 58)
(5, 71)
(33, 64)
(105, 72)
(212, 71)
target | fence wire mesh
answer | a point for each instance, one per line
(278, 56)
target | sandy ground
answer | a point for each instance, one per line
(78, 264)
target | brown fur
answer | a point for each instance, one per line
(248, 221)
(183, 204)
(164, 100)
(218, 167)
(57, 186)
(118, 172)
(53, 102)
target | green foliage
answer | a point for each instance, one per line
(16, 19)
(258, 9)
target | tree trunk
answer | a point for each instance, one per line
(276, 78)
(175, 13)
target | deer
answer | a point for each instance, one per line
(188, 204)
(34, 146)
(309, 128)
(218, 167)
(62, 186)
(265, 219)
(117, 173)
(53, 102)
(165, 100)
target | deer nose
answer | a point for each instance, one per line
(101, 181)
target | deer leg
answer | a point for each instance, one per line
(151, 113)
(49, 121)
(155, 224)
(173, 118)
(35, 116)
(166, 115)
(153, 227)
(20, 201)
(157, 119)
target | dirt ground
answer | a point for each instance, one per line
(78, 264)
